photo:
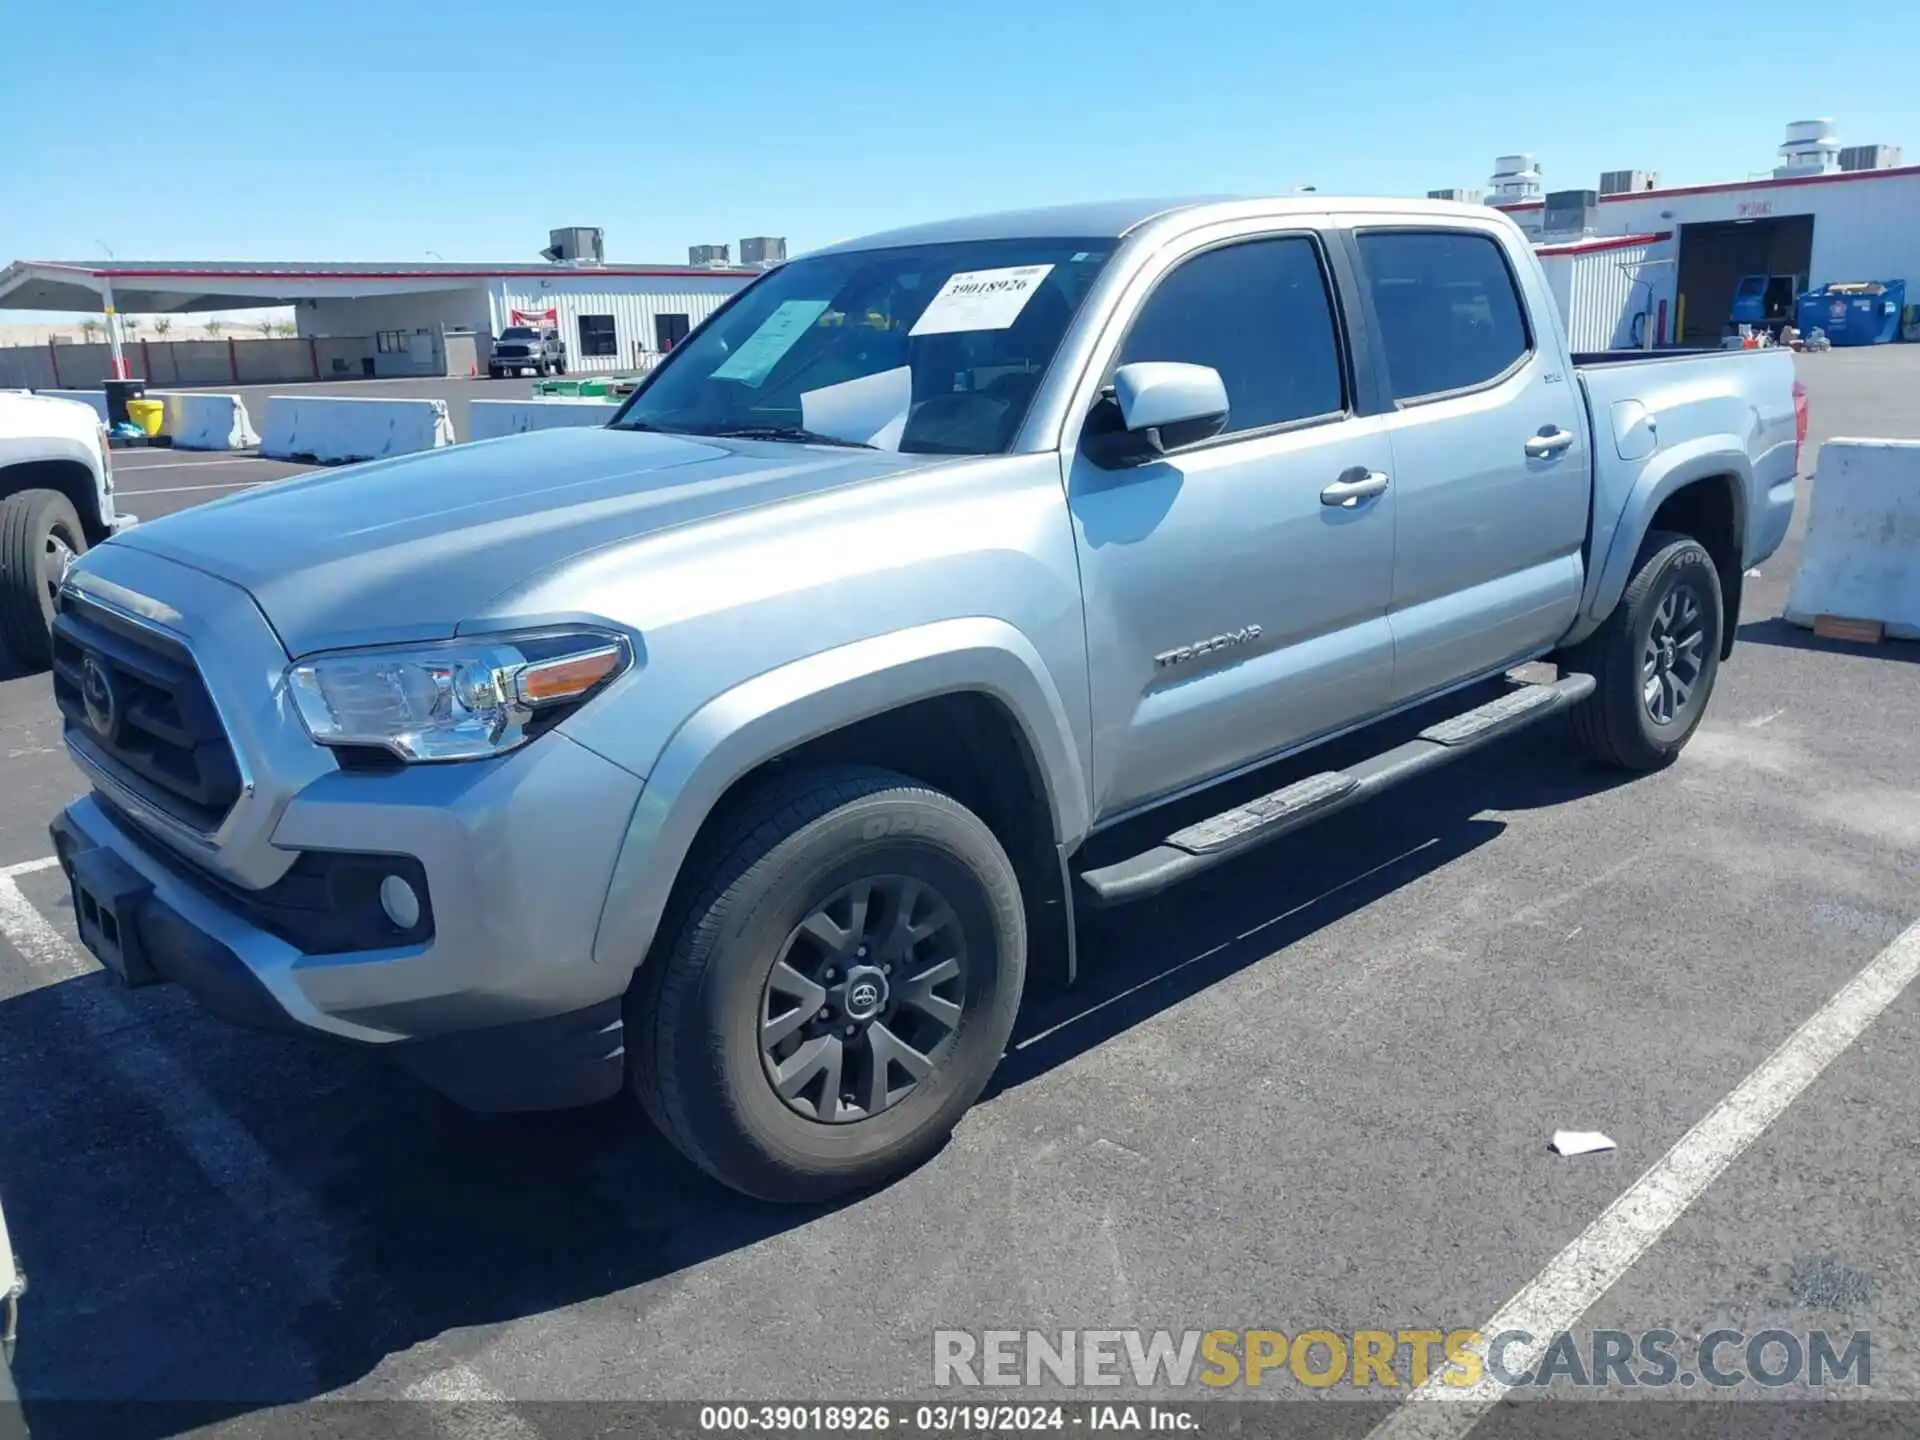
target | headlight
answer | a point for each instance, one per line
(455, 701)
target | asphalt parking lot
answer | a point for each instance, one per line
(1313, 1090)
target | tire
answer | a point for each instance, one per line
(540, 370)
(494, 372)
(32, 523)
(695, 1014)
(559, 367)
(1621, 724)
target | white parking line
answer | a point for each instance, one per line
(39, 944)
(120, 466)
(1580, 1274)
(28, 867)
(281, 1212)
(466, 1406)
(187, 489)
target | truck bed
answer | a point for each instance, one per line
(1662, 418)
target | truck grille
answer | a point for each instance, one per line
(511, 352)
(135, 706)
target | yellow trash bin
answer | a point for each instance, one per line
(149, 415)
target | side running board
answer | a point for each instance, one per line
(1207, 843)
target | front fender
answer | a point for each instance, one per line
(773, 713)
(1667, 471)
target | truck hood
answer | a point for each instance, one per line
(406, 549)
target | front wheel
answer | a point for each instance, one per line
(838, 992)
(559, 367)
(1654, 660)
(40, 537)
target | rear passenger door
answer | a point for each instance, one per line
(1490, 462)
(1235, 601)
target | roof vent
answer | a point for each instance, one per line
(1516, 180)
(1812, 147)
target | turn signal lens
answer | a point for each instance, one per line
(569, 677)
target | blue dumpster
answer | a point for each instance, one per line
(1861, 312)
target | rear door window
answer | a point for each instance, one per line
(1259, 313)
(1449, 314)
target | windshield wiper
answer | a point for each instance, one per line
(797, 434)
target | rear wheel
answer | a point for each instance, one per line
(40, 537)
(838, 993)
(1655, 659)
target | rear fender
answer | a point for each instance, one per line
(1709, 456)
(771, 714)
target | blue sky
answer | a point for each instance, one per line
(353, 130)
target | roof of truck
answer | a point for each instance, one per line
(1115, 219)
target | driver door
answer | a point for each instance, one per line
(1235, 605)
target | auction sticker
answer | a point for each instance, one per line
(755, 359)
(980, 300)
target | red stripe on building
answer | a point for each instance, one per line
(1786, 182)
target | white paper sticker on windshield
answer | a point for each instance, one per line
(762, 350)
(980, 300)
(872, 409)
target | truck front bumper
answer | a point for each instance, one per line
(494, 999)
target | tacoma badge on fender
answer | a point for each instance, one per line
(1244, 635)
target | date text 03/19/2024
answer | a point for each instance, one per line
(941, 1419)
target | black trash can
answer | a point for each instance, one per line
(118, 393)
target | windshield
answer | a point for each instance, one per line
(934, 349)
(519, 332)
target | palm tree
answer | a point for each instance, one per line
(213, 329)
(163, 325)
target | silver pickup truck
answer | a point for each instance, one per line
(747, 751)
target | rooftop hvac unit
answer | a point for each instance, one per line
(1628, 182)
(714, 256)
(1464, 196)
(576, 245)
(763, 250)
(1869, 157)
(1571, 212)
(1811, 148)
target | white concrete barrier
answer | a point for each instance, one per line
(198, 420)
(1862, 556)
(490, 419)
(332, 427)
(96, 398)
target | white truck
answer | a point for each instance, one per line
(13, 1425)
(56, 500)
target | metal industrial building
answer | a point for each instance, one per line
(1632, 260)
(364, 319)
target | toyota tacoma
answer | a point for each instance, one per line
(754, 750)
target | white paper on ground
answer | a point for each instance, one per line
(980, 300)
(761, 351)
(1580, 1142)
(872, 409)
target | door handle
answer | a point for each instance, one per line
(1551, 441)
(1353, 486)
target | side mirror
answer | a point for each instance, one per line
(1167, 404)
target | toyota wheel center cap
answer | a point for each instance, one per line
(866, 992)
